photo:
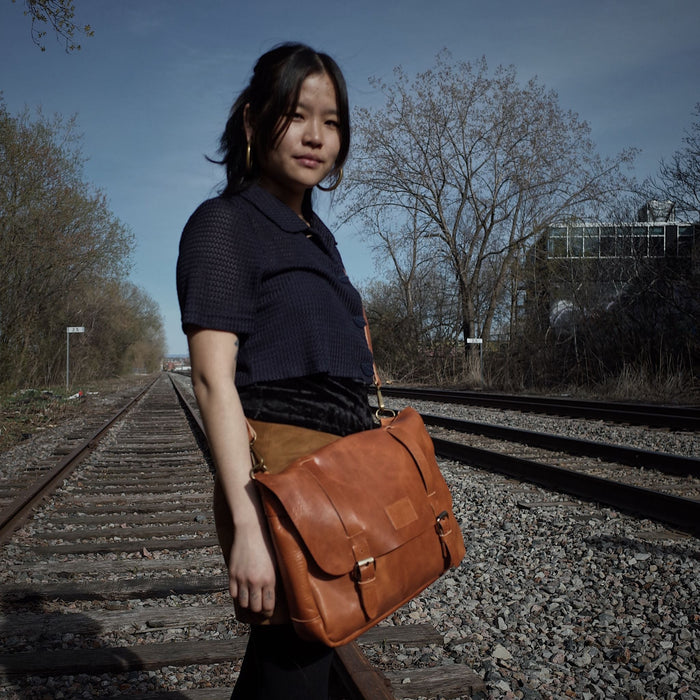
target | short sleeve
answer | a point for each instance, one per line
(217, 268)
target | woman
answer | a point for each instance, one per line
(275, 332)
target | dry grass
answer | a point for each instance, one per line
(25, 412)
(641, 384)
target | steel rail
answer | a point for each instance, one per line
(666, 416)
(661, 461)
(681, 513)
(189, 409)
(21, 509)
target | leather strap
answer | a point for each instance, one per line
(277, 444)
(377, 380)
(413, 446)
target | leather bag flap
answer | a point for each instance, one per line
(341, 502)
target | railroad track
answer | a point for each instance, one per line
(647, 484)
(25, 488)
(118, 578)
(116, 582)
(35, 473)
(655, 415)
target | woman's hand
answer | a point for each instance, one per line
(252, 571)
(249, 554)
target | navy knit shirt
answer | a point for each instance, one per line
(249, 265)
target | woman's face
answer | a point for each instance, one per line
(306, 152)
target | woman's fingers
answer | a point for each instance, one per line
(268, 601)
(252, 572)
(259, 600)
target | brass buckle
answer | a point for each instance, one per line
(258, 462)
(357, 571)
(382, 411)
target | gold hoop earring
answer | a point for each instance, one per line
(248, 158)
(334, 185)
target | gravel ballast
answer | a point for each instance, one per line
(564, 598)
(555, 598)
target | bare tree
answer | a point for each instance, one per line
(60, 15)
(412, 324)
(680, 178)
(470, 166)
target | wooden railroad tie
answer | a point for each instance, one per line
(351, 665)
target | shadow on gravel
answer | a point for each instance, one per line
(62, 655)
(652, 547)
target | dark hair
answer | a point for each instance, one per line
(272, 94)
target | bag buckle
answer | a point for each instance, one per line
(258, 463)
(382, 412)
(438, 520)
(443, 535)
(360, 570)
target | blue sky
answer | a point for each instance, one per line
(152, 88)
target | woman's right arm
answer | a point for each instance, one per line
(213, 356)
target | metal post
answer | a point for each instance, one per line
(69, 330)
(67, 359)
(481, 361)
(480, 343)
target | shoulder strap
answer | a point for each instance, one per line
(377, 381)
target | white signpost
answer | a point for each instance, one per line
(69, 330)
(480, 343)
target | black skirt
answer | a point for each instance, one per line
(319, 402)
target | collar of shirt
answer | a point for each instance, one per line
(284, 217)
